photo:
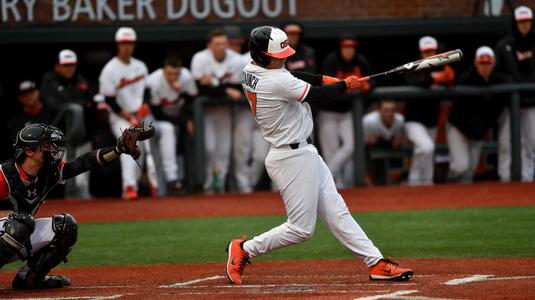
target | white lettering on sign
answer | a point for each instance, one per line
(83, 7)
(13, 11)
(272, 13)
(61, 10)
(103, 8)
(8, 6)
(123, 16)
(29, 9)
(175, 15)
(252, 12)
(145, 5)
(220, 12)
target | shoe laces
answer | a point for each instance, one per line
(390, 262)
(244, 259)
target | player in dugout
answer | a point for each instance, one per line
(25, 180)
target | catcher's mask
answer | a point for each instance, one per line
(49, 139)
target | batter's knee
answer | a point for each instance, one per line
(302, 234)
(66, 229)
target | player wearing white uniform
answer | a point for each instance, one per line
(213, 69)
(277, 99)
(249, 147)
(383, 124)
(171, 87)
(123, 82)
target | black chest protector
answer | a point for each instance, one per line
(27, 197)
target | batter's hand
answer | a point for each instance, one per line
(326, 80)
(352, 83)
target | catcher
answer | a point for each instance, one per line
(35, 169)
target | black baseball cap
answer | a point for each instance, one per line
(26, 86)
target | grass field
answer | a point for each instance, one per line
(449, 233)
(456, 233)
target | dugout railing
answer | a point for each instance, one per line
(196, 160)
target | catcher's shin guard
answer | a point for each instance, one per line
(15, 235)
(33, 272)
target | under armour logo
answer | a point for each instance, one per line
(31, 193)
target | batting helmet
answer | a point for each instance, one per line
(35, 135)
(266, 42)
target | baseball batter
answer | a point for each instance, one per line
(278, 101)
(123, 83)
(35, 169)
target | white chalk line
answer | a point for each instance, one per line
(186, 283)
(482, 278)
(393, 295)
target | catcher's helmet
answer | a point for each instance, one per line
(35, 135)
(266, 42)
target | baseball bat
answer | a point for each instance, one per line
(427, 63)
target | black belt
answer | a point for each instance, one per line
(296, 145)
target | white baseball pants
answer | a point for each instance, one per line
(527, 134)
(308, 190)
(464, 155)
(41, 236)
(337, 142)
(167, 143)
(217, 139)
(130, 171)
(249, 145)
(423, 164)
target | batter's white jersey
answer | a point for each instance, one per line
(125, 82)
(203, 63)
(162, 94)
(276, 99)
(373, 125)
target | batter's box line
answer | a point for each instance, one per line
(256, 286)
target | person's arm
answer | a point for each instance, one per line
(319, 87)
(89, 161)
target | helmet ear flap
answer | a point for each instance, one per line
(257, 55)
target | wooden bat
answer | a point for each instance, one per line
(428, 63)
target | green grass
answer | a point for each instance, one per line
(489, 232)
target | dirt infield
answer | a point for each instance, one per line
(361, 199)
(328, 279)
(325, 279)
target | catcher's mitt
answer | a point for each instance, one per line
(127, 141)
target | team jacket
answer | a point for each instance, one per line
(473, 115)
(303, 60)
(57, 91)
(26, 194)
(515, 56)
(333, 66)
(426, 111)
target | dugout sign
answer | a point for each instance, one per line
(50, 12)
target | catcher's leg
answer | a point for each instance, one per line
(17, 229)
(33, 273)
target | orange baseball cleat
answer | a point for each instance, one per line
(237, 259)
(386, 269)
(130, 193)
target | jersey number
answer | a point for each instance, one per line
(252, 100)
